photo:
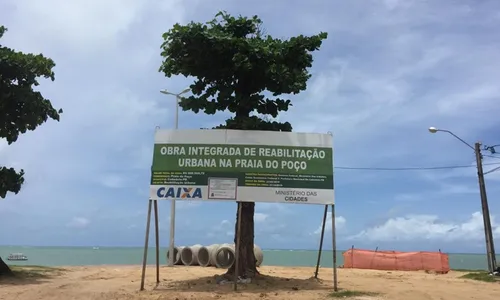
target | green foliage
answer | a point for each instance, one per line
(10, 181)
(481, 276)
(30, 274)
(351, 294)
(21, 107)
(235, 64)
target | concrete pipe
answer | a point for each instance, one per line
(211, 252)
(224, 256)
(189, 255)
(203, 256)
(259, 255)
(177, 257)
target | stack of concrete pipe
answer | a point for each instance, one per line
(216, 255)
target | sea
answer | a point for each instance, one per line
(82, 256)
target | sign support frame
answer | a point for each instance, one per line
(146, 243)
(154, 204)
(238, 241)
(323, 224)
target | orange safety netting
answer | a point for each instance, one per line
(395, 260)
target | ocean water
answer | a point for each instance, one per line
(79, 256)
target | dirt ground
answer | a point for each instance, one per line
(123, 282)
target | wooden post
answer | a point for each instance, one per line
(334, 250)
(352, 256)
(373, 257)
(321, 241)
(145, 257)
(440, 260)
(157, 238)
(237, 248)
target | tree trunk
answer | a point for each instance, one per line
(247, 263)
(4, 269)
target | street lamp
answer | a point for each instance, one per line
(434, 130)
(178, 99)
(488, 232)
(172, 203)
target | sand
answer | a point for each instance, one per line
(123, 282)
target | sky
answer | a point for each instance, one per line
(387, 72)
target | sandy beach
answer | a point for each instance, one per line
(123, 282)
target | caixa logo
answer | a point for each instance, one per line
(179, 192)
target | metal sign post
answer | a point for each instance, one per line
(321, 241)
(237, 248)
(146, 242)
(157, 239)
(334, 250)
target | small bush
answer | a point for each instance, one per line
(481, 276)
(35, 272)
(348, 294)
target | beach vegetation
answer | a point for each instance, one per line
(351, 294)
(30, 274)
(481, 276)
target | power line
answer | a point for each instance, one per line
(492, 156)
(412, 168)
(492, 170)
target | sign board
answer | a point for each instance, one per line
(240, 165)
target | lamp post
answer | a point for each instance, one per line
(178, 99)
(488, 232)
(172, 203)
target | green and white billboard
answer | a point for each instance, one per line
(239, 165)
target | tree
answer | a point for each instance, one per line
(21, 107)
(235, 64)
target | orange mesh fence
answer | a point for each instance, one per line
(395, 260)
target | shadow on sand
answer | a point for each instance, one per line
(29, 275)
(260, 284)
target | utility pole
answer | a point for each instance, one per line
(488, 232)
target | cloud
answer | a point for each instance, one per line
(410, 78)
(187, 204)
(112, 180)
(340, 223)
(490, 165)
(78, 222)
(226, 227)
(275, 208)
(223, 230)
(427, 227)
(377, 83)
(85, 26)
(260, 217)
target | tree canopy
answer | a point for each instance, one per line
(240, 69)
(234, 63)
(21, 107)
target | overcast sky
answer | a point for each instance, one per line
(388, 71)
